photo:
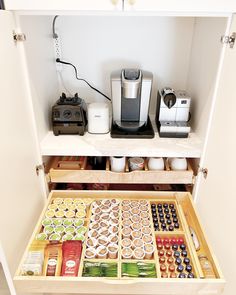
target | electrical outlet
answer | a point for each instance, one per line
(57, 49)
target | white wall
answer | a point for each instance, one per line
(99, 45)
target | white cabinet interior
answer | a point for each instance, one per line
(196, 73)
(181, 52)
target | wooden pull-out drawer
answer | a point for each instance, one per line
(121, 284)
(69, 171)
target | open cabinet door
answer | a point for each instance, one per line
(21, 197)
(216, 196)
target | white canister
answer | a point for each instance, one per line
(98, 118)
(136, 163)
(117, 164)
(178, 164)
(156, 163)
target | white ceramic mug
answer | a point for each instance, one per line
(178, 163)
(156, 163)
(117, 164)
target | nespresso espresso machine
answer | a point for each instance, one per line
(172, 113)
(131, 91)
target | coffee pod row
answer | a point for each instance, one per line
(60, 232)
(70, 201)
(145, 252)
(102, 252)
(78, 213)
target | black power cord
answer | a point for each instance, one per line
(80, 79)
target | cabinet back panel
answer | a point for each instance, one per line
(181, 52)
(99, 45)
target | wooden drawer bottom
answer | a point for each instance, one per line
(120, 285)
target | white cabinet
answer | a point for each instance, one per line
(80, 5)
(181, 6)
(31, 86)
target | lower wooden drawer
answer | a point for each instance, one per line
(122, 285)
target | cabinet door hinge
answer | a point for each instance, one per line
(39, 167)
(204, 171)
(19, 36)
(229, 39)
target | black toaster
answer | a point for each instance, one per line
(69, 115)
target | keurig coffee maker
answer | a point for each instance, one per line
(131, 92)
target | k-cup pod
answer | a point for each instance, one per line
(117, 164)
(138, 253)
(135, 211)
(59, 229)
(126, 215)
(137, 243)
(68, 201)
(93, 233)
(104, 223)
(126, 253)
(60, 213)
(67, 237)
(68, 222)
(126, 208)
(90, 253)
(156, 163)
(69, 229)
(149, 250)
(55, 237)
(113, 239)
(91, 242)
(147, 239)
(96, 210)
(50, 213)
(78, 222)
(126, 222)
(81, 214)
(145, 222)
(105, 216)
(70, 214)
(136, 226)
(178, 164)
(103, 240)
(146, 230)
(134, 204)
(113, 229)
(143, 202)
(126, 232)
(53, 207)
(57, 201)
(104, 231)
(126, 243)
(47, 221)
(136, 234)
(62, 207)
(102, 252)
(112, 251)
(136, 163)
(94, 225)
(136, 218)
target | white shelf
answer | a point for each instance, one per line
(104, 145)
